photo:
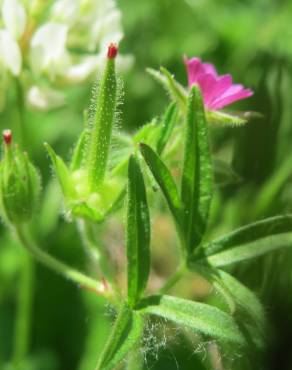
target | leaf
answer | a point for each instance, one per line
(199, 317)
(165, 181)
(62, 173)
(250, 250)
(168, 123)
(126, 332)
(246, 300)
(174, 88)
(224, 174)
(79, 150)
(248, 241)
(197, 184)
(138, 233)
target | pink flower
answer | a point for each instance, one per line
(218, 91)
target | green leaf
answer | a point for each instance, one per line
(126, 332)
(168, 124)
(176, 91)
(246, 300)
(199, 317)
(166, 182)
(62, 173)
(197, 184)
(138, 233)
(247, 242)
(250, 250)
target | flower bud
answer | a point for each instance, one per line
(19, 183)
(102, 123)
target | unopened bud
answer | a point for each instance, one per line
(19, 184)
(112, 51)
(7, 136)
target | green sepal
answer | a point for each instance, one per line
(62, 173)
(79, 151)
(138, 233)
(175, 90)
(125, 334)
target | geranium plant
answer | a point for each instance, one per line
(102, 180)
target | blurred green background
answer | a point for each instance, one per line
(252, 40)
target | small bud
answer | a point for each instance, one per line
(102, 123)
(19, 184)
(112, 51)
(7, 136)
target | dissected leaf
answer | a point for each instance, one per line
(166, 182)
(138, 233)
(197, 183)
(125, 333)
(199, 317)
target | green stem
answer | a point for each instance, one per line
(173, 279)
(21, 125)
(68, 272)
(97, 253)
(24, 309)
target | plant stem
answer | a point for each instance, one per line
(173, 279)
(21, 125)
(68, 272)
(24, 309)
(96, 253)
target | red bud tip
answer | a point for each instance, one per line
(112, 51)
(7, 136)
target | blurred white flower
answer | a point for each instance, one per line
(48, 52)
(44, 98)
(10, 55)
(58, 42)
(14, 17)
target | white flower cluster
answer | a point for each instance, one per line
(50, 44)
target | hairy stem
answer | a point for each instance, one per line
(68, 272)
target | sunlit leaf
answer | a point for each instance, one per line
(138, 233)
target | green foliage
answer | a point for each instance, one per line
(126, 332)
(198, 317)
(138, 234)
(197, 182)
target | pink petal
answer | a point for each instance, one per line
(223, 83)
(207, 83)
(210, 69)
(233, 96)
(194, 68)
